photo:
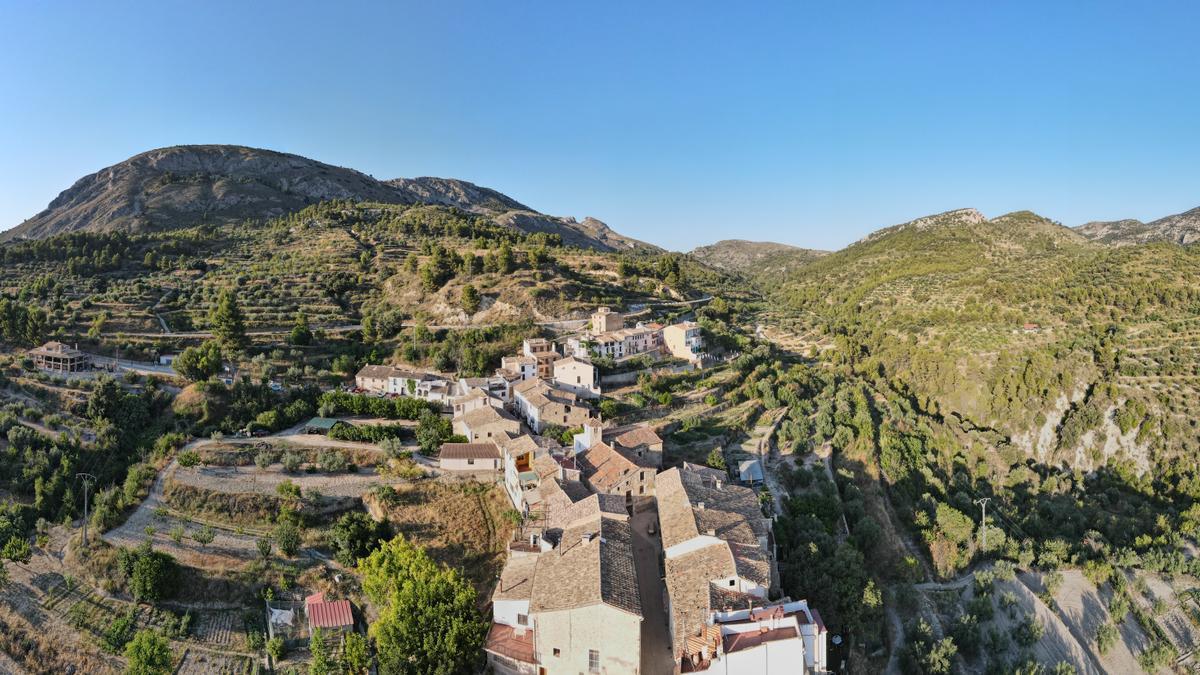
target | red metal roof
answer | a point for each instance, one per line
(335, 614)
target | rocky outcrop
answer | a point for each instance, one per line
(1181, 228)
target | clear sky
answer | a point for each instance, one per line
(811, 123)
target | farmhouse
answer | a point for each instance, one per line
(469, 457)
(60, 358)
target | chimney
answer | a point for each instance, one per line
(588, 537)
(699, 506)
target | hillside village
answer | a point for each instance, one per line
(590, 515)
(420, 428)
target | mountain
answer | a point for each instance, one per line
(1013, 324)
(457, 193)
(739, 255)
(187, 185)
(1181, 228)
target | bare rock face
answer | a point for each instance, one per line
(1181, 228)
(188, 185)
(457, 193)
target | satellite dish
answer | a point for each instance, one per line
(836, 640)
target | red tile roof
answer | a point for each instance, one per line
(335, 614)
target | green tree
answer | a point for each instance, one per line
(428, 621)
(356, 656)
(716, 459)
(355, 535)
(197, 364)
(320, 663)
(470, 299)
(148, 653)
(264, 546)
(153, 575)
(228, 322)
(301, 334)
(287, 536)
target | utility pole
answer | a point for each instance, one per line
(983, 502)
(88, 480)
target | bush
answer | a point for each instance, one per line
(287, 537)
(369, 433)
(332, 461)
(1106, 637)
(276, 649)
(355, 535)
(119, 632)
(401, 408)
(148, 653)
(152, 574)
(291, 462)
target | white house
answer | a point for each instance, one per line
(577, 375)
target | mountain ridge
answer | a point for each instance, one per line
(184, 185)
(1180, 228)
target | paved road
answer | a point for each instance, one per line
(657, 656)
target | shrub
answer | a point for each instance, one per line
(287, 536)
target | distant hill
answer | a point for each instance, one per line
(1015, 324)
(187, 185)
(1181, 228)
(739, 255)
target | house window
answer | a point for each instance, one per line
(556, 651)
(470, 460)
(522, 620)
(732, 582)
(593, 661)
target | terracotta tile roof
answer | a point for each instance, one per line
(637, 436)
(581, 573)
(375, 372)
(605, 466)
(691, 504)
(545, 467)
(689, 586)
(507, 641)
(516, 579)
(469, 451)
(325, 614)
(483, 416)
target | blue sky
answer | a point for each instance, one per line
(681, 123)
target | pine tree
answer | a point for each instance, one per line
(228, 322)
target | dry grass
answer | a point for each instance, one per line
(460, 525)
